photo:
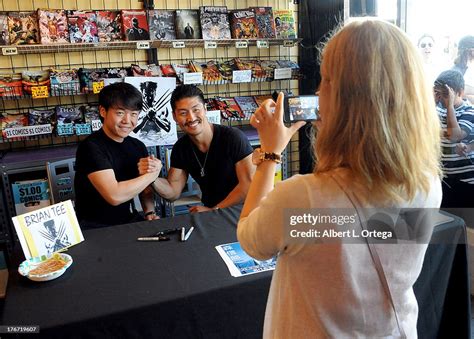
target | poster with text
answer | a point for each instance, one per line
(155, 126)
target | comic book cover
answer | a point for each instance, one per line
(180, 70)
(67, 117)
(246, 104)
(150, 70)
(53, 26)
(11, 85)
(64, 82)
(161, 23)
(295, 69)
(229, 108)
(187, 24)
(3, 28)
(11, 121)
(226, 68)
(87, 77)
(135, 25)
(82, 26)
(268, 66)
(284, 24)
(265, 23)
(210, 72)
(23, 28)
(259, 99)
(214, 22)
(91, 116)
(168, 71)
(243, 24)
(34, 78)
(109, 26)
(41, 117)
(257, 72)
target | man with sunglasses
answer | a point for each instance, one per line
(457, 120)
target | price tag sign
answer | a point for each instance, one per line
(96, 125)
(241, 76)
(262, 44)
(83, 129)
(38, 92)
(9, 51)
(179, 44)
(241, 44)
(193, 78)
(143, 44)
(65, 129)
(282, 73)
(288, 43)
(210, 44)
(97, 86)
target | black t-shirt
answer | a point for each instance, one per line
(228, 146)
(96, 153)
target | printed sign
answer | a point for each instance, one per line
(27, 131)
(241, 44)
(241, 76)
(193, 78)
(282, 73)
(179, 44)
(143, 45)
(262, 44)
(38, 92)
(210, 44)
(30, 195)
(9, 51)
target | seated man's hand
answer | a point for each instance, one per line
(199, 208)
(152, 217)
(462, 149)
(149, 164)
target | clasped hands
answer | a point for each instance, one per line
(150, 164)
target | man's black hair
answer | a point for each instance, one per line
(185, 91)
(452, 78)
(121, 95)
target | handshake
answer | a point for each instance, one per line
(150, 164)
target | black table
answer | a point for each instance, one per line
(120, 288)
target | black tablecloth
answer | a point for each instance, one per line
(118, 287)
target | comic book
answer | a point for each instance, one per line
(91, 116)
(210, 72)
(82, 26)
(67, 117)
(168, 71)
(109, 26)
(257, 72)
(243, 24)
(41, 117)
(87, 77)
(150, 70)
(180, 70)
(284, 24)
(246, 104)
(64, 82)
(226, 68)
(229, 108)
(23, 28)
(34, 78)
(268, 66)
(259, 99)
(53, 26)
(11, 85)
(187, 24)
(295, 69)
(135, 25)
(12, 121)
(161, 23)
(4, 28)
(265, 23)
(214, 22)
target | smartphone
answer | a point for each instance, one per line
(301, 108)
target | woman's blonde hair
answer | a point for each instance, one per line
(381, 120)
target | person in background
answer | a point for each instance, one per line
(464, 63)
(457, 121)
(427, 47)
(217, 157)
(107, 177)
(370, 119)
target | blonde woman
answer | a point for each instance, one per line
(378, 142)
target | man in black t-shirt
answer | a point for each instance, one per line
(107, 177)
(217, 157)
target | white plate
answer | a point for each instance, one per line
(28, 265)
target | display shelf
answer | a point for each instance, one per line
(129, 45)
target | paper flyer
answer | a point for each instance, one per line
(240, 263)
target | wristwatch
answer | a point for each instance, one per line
(259, 156)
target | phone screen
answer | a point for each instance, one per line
(302, 108)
